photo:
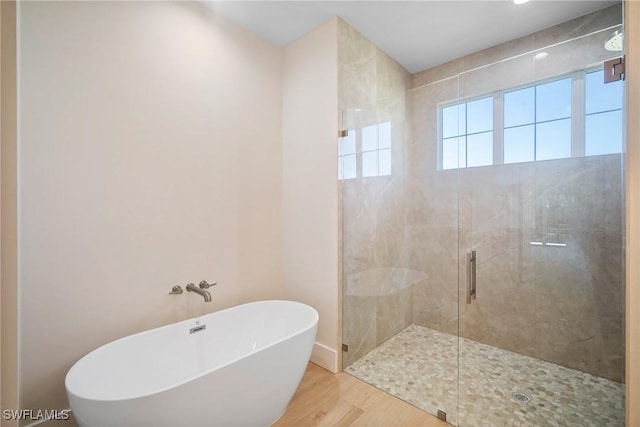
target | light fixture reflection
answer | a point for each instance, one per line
(540, 55)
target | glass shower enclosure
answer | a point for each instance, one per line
(482, 228)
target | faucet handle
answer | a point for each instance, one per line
(205, 285)
(176, 290)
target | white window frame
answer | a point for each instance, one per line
(578, 116)
(442, 106)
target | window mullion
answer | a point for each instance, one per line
(466, 137)
(535, 123)
(359, 153)
(578, 114)
(498, 129)
(440, 139)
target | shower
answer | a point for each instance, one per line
(482, 227)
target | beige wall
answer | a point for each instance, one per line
(310, 195)
(150, 157)
(8, 215)
(632, 42)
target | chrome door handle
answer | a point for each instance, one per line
(471, 276)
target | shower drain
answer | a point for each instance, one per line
(521, 397)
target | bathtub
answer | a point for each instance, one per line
(235, 367)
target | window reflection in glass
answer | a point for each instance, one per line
(365, 152)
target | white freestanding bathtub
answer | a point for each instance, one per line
(235, 367)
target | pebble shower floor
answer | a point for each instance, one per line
(420, 366)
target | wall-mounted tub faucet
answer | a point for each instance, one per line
(205, 285)
(176, 290)
(205, 294)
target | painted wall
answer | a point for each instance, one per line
(150, 157)
(9, 218)
(309, 180)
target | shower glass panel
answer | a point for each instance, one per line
(543, 342)
(400, 248)
(500, 172)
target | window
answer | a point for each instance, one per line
(537, 122)
(569, 116)
(365, 152)
(603, 115)
(467, 134)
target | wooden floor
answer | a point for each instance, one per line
(327, 399)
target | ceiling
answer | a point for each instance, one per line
(417, 34)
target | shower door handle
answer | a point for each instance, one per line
(471, 276)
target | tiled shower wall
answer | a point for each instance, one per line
(376, 289)
(560, 304)
(405, 235)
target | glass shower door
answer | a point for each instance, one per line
(541, 237)
(399, 245)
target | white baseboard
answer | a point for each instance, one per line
(325, 357)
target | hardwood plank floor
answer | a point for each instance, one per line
(327, 399)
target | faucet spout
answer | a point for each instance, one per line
(205, 294)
